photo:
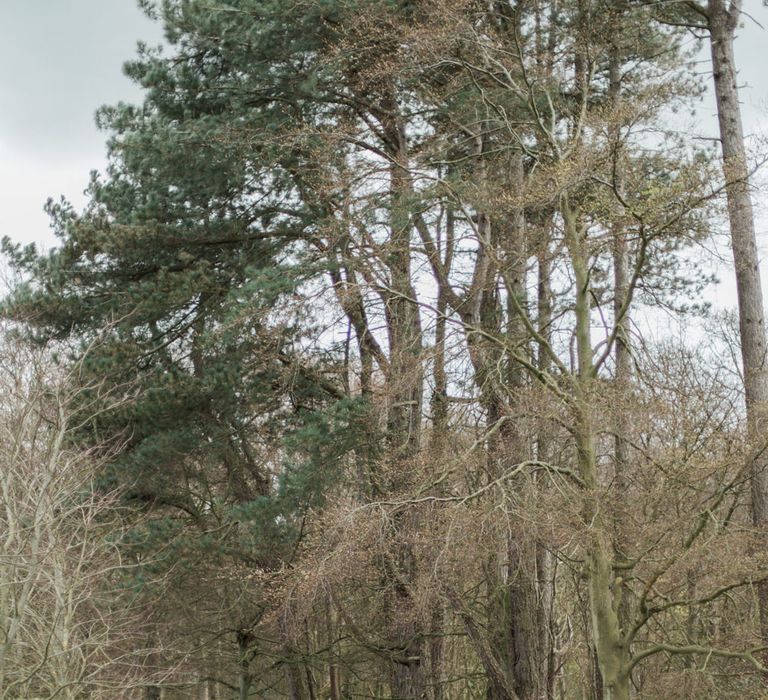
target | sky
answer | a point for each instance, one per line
(61, 59)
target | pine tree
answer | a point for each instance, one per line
(165, 289)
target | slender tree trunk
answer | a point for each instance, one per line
(621, 318)
(604, 594)
(403, 317)
(723, 21)
(334, 667)
(405, 394)
(545, 559)
(515, 612)
(621, 274)
(527, 614)
(439, 399)
(335, 682)
(243, 666)
(438, 446)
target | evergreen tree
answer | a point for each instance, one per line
(166, 288)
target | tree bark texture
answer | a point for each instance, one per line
(723, 19)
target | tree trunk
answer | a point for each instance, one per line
(439, 399)
(722, 25)
(335, 682)
(243, 671)
(604, 593)
(621, 319)
(546, 561)
(517, 615)
(405, 396)
(528, 614)
(621, 273)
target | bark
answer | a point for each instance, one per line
(621, 273)
(604, 593)
(335, 682)
(545, 559)
(612, 655)
(723, 20)
(527, 612)
(517, 615)
(611, 684)
(293, 668)
(350, 297)
(439, 399)
(408, 681)
(403, 317)
(243, 672)
(334, 667)
(436, 649)
(499, 682)
(439, 448)
(294, 681)
(405, 394)
(521, 622)
(621, 315)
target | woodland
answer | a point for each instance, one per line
(379, 365)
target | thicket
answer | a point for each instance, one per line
(348, 374)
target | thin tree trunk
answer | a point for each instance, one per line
(545, 559)
(723, 21)
(405, 394)
(621, 317)
(439, 399)
(621, 274)
(243, 665)
(335, 682)
(527, 614)
(604, 595)
(438, 446)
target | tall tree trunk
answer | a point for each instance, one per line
(621, 274)
(723, 19)
(439, 443)
(517, 615)
(244, 640)
(546, 561)
(621, 315)
(439, 399)
(405, 395)
(604, 593)
(403, 317)
(527, 613)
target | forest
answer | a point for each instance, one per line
(379, 364)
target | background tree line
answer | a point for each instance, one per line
(349, 350)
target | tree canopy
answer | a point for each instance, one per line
(358, 316)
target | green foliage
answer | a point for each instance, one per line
(164, 287)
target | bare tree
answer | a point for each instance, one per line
(63, 618)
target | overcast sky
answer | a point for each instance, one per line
(61, 59)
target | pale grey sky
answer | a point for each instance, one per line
(61, 59)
